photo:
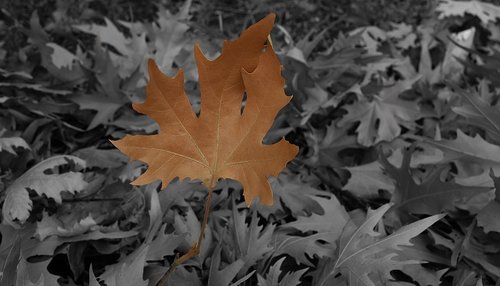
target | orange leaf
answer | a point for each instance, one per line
(222, 142)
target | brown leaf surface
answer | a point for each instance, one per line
(222, 142)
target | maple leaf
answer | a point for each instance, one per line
(367, 257)
(167, 37)
(380, 117)
(105, 107)
(430, 196)
(318, 98)
(327, 148)
(170, 35)
(107, 34)
(367, 179)
(128, 271)
(111, 99)
(222, 142)
(58, 61)
(290, 195)
(274, 273)
(132, 51)
(479, 111)
(467, 246)
(163, 244)
(327, 227)
(17, 204)
(466, 150)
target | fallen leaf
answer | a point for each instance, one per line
(366, 180)
(9, 144)
(252, 241)
(128, 271)
(27, 272)
(61, 63)
(431, 196)
(274, 273)
(107, 34)
(17, 205)
(479, 112)
(101, 158)
(170, 35)
(290, 195)
(218, 277)
(465, 150)
(469, 248)
(367, 257)
(222, 142)
(326, 148)
(62, 58)
(486, 12)
(163, 244)
(371, 37)
(452, 67)
(105, 107)
(50, 225)
(327, 228)
(380, 117)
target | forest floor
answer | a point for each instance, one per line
(394, 111)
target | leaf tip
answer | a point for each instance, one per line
(198, 54)
(152, 66)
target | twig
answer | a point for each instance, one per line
(195, 248)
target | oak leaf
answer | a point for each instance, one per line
(466, 151)
(479, 112)
(18, 205)
(223, 142)
(366, 257)
(430, 196)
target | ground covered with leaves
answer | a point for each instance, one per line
(395, 114)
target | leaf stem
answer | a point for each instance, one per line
(195, 248)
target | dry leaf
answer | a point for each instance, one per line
(222, 142)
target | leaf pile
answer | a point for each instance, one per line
(392, 115)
